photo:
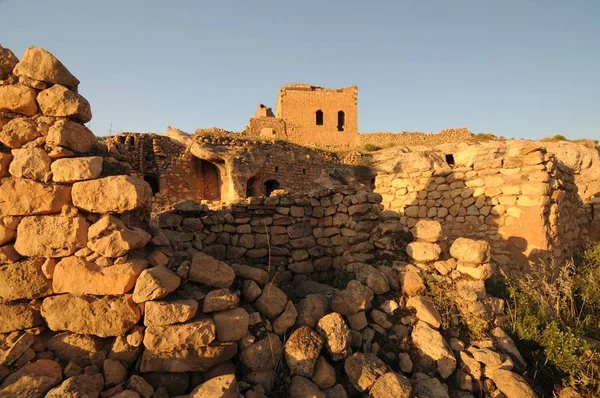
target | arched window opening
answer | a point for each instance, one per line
(270, 186)
(153, 181)
(251, 188)
(341, 121)
(319, 115)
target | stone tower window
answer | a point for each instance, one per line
(270, 186)
(341, 120)
(319, 117)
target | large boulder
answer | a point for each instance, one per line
(8, 60)
(198, 359)
(71, 135)
(24, 280)
(110, 237)
(427, 231)
(100, 316)
(302, 349)
(162, 313)
(33, 380)
(115, 194)
(75, 275)
(39, 64)
(18, 132)
(471, 251)
(79, 386)
(191, 335)
(25, 197)
(30, 162)
(18, 99)
(59, 101)
(431, 343)
(155, 283)
(51, 236)
(18, 316)
(69, 170)
(423, 252)
(210, 271)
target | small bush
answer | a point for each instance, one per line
(555, 138)
(371, 147)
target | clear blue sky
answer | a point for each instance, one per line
(517, 68)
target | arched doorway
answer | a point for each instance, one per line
(154, 183)
(251, 187)
(270, 186)
(209, 178)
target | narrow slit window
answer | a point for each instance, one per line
(341, 120)
(319, 117)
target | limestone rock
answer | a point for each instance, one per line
(324, 375)
(391, 385)
(336, 334)
(198, 359)
(115, 194)
(471, 251)
(247, 272)
(30, 162)
(191, 335)
(423, 252)
(210, 271)
(428, 387)
(110, 237)
(271, 302)
(302, 349)
(426, 310)
(218, 387)
(507, 345)
(310, 309)
(286, 320)
(163, 313)
(5, 159)
(372, 278)
(8, 60)
(79, 349)
(232, 325)
(59, 101)
(18, 99)
(301, 387)
(81, 386)
(13, 346)
(219, 300)
(51, 236)
(24, 280)
(511, 384)
(363, 370)
(354, 298)
(18, 316)
(69, 170)
(126, 348)
(432, 344)
(9, 255)
(100, 316)
(262, 355)
(70, 135)
(25, 197)
(33, 380)
(427, 231)
(39, 64)
(77, 276)
(155, 283)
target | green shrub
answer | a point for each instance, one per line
(555, 138)
(371, 147)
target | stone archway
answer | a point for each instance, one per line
(270, 186)
(207, 177)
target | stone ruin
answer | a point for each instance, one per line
(320, 293)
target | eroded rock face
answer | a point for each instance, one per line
(69, 170)
(59, 101)
(80, 349)
(70, 135)
(18, 316)
(219, 387)
(30, 162)
(363, 370)
(99, 316)
(18, 99)
(302, 350)
(24, 280)
(25, 197)
(210, 271)
(271, 302)
(334, 330)
(391, 385)
(511, 384)
(33, 380)
(112, 238)
(75, 275)
(51, 236)
(89, 385)
(8, 60)
(39, 64)
(115, 194)
(433, 345)
(423, 252)
(182, 336)
(471, 251)
(162, 313)
(198, 359)
(354, 298)
(263, 354)
(155, 283)
(427, 231)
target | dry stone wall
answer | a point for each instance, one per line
(415, 138)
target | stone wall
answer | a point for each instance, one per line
(415, 138)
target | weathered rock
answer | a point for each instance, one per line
(198, 359)
(126, 348)
(25, 197)
(155, 283)
(8, 60)
(232, 324)
(69, 170)
(190, 335)
(39, 64)
(310, 309)
(286, 320)
(9, 255)
(426, 310)
(110, 237)
(77, 276)
(219, 387)
(324, 375)
(423, 252)
(163, 313)
(18, 316)
(82, 386)
(511, 384)
(471, 251)
(219, 300)
(100, 316)
(302, 350)
(33, 380)
(24, 280)
(271, 302)
(13, 346)
(51, 236)
(262, 355)
(372, 278)
(5, 159)
(175, 383)
(428, 387)
(70, 135)
(336, 334)
(59, 101)
(247, 272)
(301, 387)
(210, 271)
(138, 384)
(432, 344)
(30, 162)
(18, 99)
(363, 370)
(427, 231)
(354, 298)
(391, 385)
(79, 349)
(115, 194)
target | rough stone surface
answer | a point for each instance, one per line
(79, 349)
(232, 324)
(110, 237)
(354, 298)
(181, 336)
(427, 231)
(39, 64)
(363, 370)
(51, 236)
(511, 384)
(18, 316)
(426, 310)
(210, 271)
(69, 170)
(70, 135)
(162, 313)
(471, 251)
(301, 387)
(155, 283)
(25, 197)
(85, 385)
(33, 380)
(24, 280)
(18, 99)
(59, 101)
(180, 360)
(30, 162)
(271, 302)
(336, 334)
(115, 194)
(219, 387)
(433, 345)
(263, 354)
(302, 350)
(391, 385)
(423, 252)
